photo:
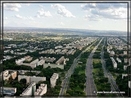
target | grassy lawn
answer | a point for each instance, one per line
(95, 70)
(81, 72)
(98, 51)
(114, 75)
(96, 61)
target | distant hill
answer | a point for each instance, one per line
(65, 31)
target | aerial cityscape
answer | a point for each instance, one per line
(65, 50)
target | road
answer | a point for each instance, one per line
(90, 85)
(107, 74)
(103, 61)
(65, 82)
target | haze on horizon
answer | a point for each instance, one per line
(92, 16)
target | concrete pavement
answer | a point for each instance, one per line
(90, 85)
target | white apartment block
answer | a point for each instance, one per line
(53, 66)
(19, 61)
(30, 79)
(8, 90)
(41, 62)
(114, 62)
(61, 60)
(118, 60)
(108, 50)
(24, 77)
(41, 90)
(29, 91)
(125, 52)
(53, 79)
(125, 67)
(112, 53)
(37, 79)
(49, 59)
(109, 47)
(6, 77)
(34, 63)
(125, 60)
(129, 84)
(9, 74)
(58, 47)
(28, 58)
(129, 61)
(124, 75)
(120, 48)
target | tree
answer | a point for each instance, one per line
(23, 81)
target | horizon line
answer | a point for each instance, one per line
(61, 28)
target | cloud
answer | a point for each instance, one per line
(18, 16)
(43, 13)
(30, 18)
(12, 7)
(103, 6)
(24, 18)
(106, 10)
(61, 10)
(119, 13)
(88, 6)
(91, 17)
(61, 23)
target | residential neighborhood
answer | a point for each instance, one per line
(62, 49)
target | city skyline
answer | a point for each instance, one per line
(93, 16)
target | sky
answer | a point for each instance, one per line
(93, 16)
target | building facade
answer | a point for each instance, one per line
(41, 90)
(29, 91)
(30, 79)
(114, 62)
(53, 79)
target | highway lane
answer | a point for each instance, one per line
(65, 82)
(90, 89)
(107, 74)
(104, 67)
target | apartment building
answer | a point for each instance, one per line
(112, 53)
(125, 67)
(41, 62)
(125, 52)
(53, 79)
(114, 62)
(34, 63)
(53, 66)
(29, 91)
(41, 90)
(125, 60)
(28, 58)
(19, 61)
(129, 84)
(9, 74)
(30, 79)
(119, 60)
(61, 60)
(124, 75)
(8, 90)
